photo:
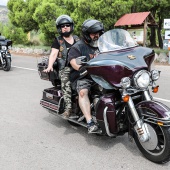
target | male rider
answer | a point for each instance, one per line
(91, 30)
(59, 48)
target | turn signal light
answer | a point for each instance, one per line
(155, 89)
(160, 123)
(126, 98)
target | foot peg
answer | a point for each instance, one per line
(73, 116)
(99, 131)
(81, 118)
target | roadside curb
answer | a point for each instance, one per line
(25, 54)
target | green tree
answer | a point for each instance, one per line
(41, 14)
(107, 11)
(36, 14)
(45, 15)
(15, 34)
(20, 13)
(160, 10)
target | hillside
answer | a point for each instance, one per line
(3, 14)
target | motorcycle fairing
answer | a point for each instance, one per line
(111, 75)
(5, 42)
(121, 57)
(154, 112)
(112, 66)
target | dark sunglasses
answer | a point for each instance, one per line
(65, 25)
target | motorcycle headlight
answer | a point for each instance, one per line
(142, 79)
(3, 47)
(125, 82)
(155, 74)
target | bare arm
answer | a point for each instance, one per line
(52, 58)
(74, 64)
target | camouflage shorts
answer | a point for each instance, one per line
(64, 75)
(84, 84)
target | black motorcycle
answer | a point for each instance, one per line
(5, 56)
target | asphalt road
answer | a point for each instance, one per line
(33, 139)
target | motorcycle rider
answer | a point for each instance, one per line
(91, 30)
(59, 49)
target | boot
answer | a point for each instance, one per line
(67, 113)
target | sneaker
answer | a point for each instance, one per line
(93, 128)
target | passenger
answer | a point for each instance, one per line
(91, 30)
(59, 49)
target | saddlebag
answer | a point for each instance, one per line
(42, 66)
(52, 76)
(43, 75)
(52, 95)
(52, 99)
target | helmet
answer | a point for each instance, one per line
(64, 19)
(91, 26)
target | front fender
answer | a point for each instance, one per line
(154, 112)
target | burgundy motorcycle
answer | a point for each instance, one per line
(121, 101)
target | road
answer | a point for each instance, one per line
(33, 139)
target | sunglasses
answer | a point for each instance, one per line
(96, 33)
(65, 25)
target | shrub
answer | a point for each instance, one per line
(15, 34)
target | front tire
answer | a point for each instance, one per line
(157, 149)
(7, 64)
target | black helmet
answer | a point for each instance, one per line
(91, 26)
(64, 19)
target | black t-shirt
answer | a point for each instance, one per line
(73, 53)
(82, 49)
(77, 50)
(56, 44)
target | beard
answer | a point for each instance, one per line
(93, 43)
(66, 34)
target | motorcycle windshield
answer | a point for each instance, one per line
(115, 39)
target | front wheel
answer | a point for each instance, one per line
(157, 149)
(7, 64)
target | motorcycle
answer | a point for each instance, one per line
(121, 102)
(5, 56)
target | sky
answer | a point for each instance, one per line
(3, 2)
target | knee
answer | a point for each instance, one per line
(83, 92)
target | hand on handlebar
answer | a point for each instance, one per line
(82, 71)
(48, 69)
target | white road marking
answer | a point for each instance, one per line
(31, 69)
(162, 99)
(37, 70)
